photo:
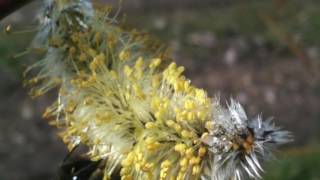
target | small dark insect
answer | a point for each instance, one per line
(79, 167)
(244, 142)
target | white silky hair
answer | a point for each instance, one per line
(230, 123)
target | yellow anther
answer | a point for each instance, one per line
(156, 82)
(117, 127)
(163, 174)
(201, 115)
(170, 123)
(155, 103)
(124, 170)
(139, 156)
(130, 157)
(126, 177)
(186, 85)
(180, 176)
(138, 166)
(139, 74)
(180, 69)
(150, 125)
(155, 63)
(139, 64)
(200, 93)
(153, 146)
(184, 162)
(209, 125)
(150, 140)
(188, 104)
(202, 151)
(177, 127)
(127, 70)
(172, 66)
(165, 103)
(124, 55)
(34, 80)
(181, 148)
(180, 115)
(189, 152)
(204, 135)
(125, 163)
(196, 170)
(191, 116)
(166, 164)
(139, 92)
(47, 113)
(147, 166)
(178, 85)
(195, 160)
(186, 134)
(159, 114)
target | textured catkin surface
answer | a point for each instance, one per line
(122, 96)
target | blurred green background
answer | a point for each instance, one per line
(265, 54)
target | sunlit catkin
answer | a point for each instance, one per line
(121, 95)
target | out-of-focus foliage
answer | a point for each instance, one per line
(222, 24)
(9, 47)
(249, 20)
(296, 165)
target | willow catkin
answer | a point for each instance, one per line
(121, 95)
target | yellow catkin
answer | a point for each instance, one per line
(124, 55)
(123, 98)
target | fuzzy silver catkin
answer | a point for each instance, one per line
(232, 125)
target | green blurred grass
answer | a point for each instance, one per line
(10, 46)
(295, 164)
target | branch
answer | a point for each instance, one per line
(9, 6)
